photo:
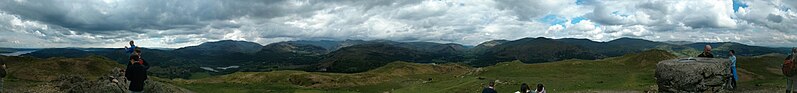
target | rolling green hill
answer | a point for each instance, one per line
(626, 73)
(629, 72)
(534, 50)
(34, 69)
(389, 76)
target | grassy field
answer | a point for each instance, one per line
(630, 73)
(761, 72)
(569, 75)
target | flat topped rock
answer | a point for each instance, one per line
(693, 75)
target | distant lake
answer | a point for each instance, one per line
(17, 53)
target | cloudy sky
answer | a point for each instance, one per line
(179, 23)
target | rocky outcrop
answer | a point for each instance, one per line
(693, 75)
(111, 83)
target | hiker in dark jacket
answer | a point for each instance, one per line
(490, 88)
(706, 52)
(136, 72)
(2, 74)
(524, 88)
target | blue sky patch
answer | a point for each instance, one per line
(581, 2)
(552, 20)
(737, 4)
(577, 19)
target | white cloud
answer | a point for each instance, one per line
(585, 25)
(178, 23)
(556, 28)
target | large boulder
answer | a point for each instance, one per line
(693, 75)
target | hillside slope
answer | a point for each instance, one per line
(632, 72)
(394, 74)
(92, 74)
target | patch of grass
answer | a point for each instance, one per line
(238, 88)
(199, 75)
(763, 71)
(632, 72)
(627, 73)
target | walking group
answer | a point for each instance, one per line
(136, 71)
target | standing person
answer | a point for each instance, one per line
(136, 72)
(2, 74)
(706, 52)
(540, 88)
(132, 47)
(788, 69)
(524, 88)
(733, 68)
(490, 88)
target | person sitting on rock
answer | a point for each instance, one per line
(706, 52)
(131, 48)
(136, 72)
(490, 88)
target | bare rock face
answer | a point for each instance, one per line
(693, 75)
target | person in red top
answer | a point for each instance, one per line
(788, 70)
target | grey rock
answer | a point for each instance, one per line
(106, 84)
(693, 75)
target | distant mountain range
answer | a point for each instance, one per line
(359, 55)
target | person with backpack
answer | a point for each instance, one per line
(788, 70)
(733, 68)
(136, 72)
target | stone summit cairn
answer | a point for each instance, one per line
(693, 75)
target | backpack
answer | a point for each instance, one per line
(788, 66)
(143, 64)
(137, 71)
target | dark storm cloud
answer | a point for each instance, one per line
(774, 18)
(93, 16)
